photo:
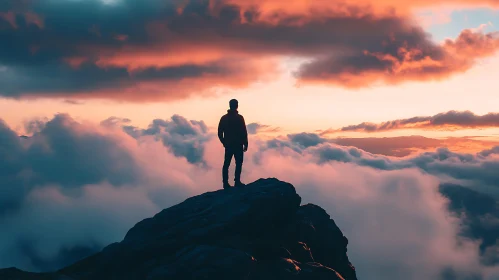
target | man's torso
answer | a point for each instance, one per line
(233, 129)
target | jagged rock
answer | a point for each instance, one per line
(259, 231)
(203, 261)
(326, 241)
(300, 252)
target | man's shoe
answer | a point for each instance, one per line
(239, 184)
(227, 186)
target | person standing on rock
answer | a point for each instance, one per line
(234, 136)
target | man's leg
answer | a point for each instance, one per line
(238, 156)
(225, 168)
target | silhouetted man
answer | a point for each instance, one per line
(234, 136)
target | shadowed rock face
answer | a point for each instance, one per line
(259, 231)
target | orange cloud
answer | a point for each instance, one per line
(193, 47)
(134, 58)
(148, 85)
(409, 145)
(269, 7)
(408, 62)
(452, 120)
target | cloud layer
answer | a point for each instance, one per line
(154, 50)
(254, 128)
(474, 170)
(451, 120)
(73, 187)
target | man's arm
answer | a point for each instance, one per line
(221, 128)
(245, 134)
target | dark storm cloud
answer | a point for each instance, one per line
(170, 49)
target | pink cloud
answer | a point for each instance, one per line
(170, 52)
(393, 219)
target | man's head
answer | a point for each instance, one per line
(233, 104)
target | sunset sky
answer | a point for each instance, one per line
(118, 102)
(298, 66)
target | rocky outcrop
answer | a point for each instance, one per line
(259, 231)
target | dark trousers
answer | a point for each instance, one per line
(237, 152)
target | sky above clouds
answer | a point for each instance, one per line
(298, 66)
(384, 112)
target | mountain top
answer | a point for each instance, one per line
(259, 231)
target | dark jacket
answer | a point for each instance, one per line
(232, 129)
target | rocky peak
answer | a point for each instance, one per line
(259, 231)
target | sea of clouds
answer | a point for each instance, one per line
(72, 187)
